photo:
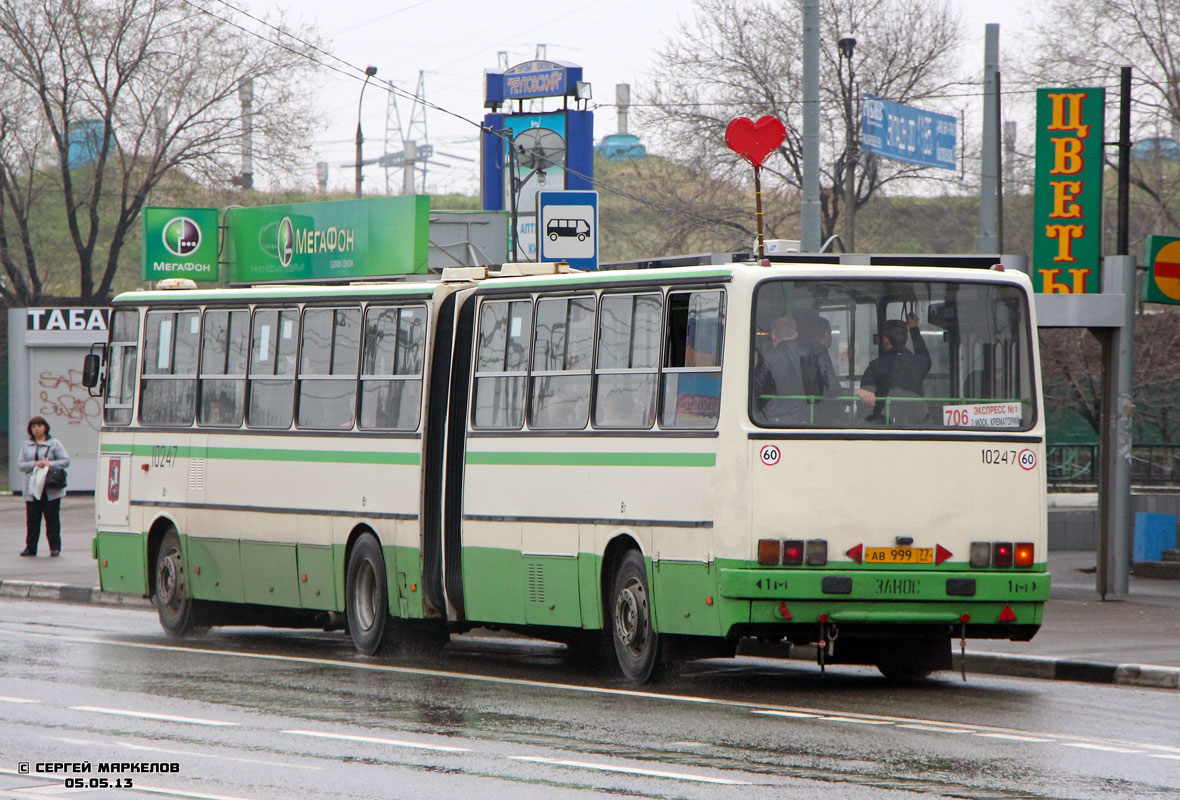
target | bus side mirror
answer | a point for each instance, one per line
(91, 368)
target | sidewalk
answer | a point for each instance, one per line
(1082, 638)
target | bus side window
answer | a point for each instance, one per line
(328, 368)
(391, 367)
(501, 364)
(168, 390)
(124, 355)
(271, 376)
(692, 359)
(222, 385)
(561, 363)
(628, 361)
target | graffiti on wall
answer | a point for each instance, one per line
(63, 398)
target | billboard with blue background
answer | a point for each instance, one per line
(905, 133)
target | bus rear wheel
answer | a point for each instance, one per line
(637, 645)
(367, 597)
(173, 604)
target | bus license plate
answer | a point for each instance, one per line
(899, 555)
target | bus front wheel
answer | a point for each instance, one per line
(173, 604)
(637, 645)
(367, 597)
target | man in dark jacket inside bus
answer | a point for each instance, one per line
(897, 373)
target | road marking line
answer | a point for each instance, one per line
(376, 740)
(321, 663)
(162, 717)
(130, 746)
(857, 721)
(936, 728)
(799, 714)
(1164, 755)
(17, 700)
(680, 776)
(1104, 748)
(1013, 737)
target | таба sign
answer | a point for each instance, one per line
(905, 133)
(180, 243)
(366, 238)
(1067, 214)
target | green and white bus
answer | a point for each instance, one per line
(595, 458)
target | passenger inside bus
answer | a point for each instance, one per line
(778, 375)
(897, 374)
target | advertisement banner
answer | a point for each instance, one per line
(336, 240)
(1067, 214)
(180, 243)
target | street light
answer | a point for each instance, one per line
(360, 140)
(847, 44)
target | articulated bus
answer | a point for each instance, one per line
(593, 458)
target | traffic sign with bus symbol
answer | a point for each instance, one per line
(567, 228)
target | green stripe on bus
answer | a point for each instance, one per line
(270, 454)
(592, 459)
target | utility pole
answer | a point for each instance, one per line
(809, 216)
(989, 240)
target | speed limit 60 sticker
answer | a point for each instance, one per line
(770, 455)
(1026, 459)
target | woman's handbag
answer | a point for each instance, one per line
(56, 478)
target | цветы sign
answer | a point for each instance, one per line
(1067, 240)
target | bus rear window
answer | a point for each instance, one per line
(893, 354)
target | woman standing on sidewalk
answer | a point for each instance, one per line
(42, 450)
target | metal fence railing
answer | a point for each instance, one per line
(1078, 464)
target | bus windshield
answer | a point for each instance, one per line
(891, 353)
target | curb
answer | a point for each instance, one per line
(1013, 666)
(36, 590)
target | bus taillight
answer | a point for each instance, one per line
(1024, 554)
(793, 552)
(816, 552)
(1002, 554)
(769, 552)
(981, 554)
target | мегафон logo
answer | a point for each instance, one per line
(182, 236)
(286, 241)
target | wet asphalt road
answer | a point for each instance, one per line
(256, 713)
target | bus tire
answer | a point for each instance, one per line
(636, 644)
(366, 595)
(175, 608)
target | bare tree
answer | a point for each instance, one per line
(744, 58)
(99, 100)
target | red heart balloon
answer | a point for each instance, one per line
(754, 141)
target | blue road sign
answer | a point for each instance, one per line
(905, 133)
(567, 228)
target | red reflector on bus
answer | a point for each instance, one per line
(783, 611)
(857, 553)
(792, 551)
(708, 601)
(1006, 615)
(769, 551)
(941, 554)
(1024, 554)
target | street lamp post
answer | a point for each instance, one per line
(847, 44)
(360, 140)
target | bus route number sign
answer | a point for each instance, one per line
(770, 455)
